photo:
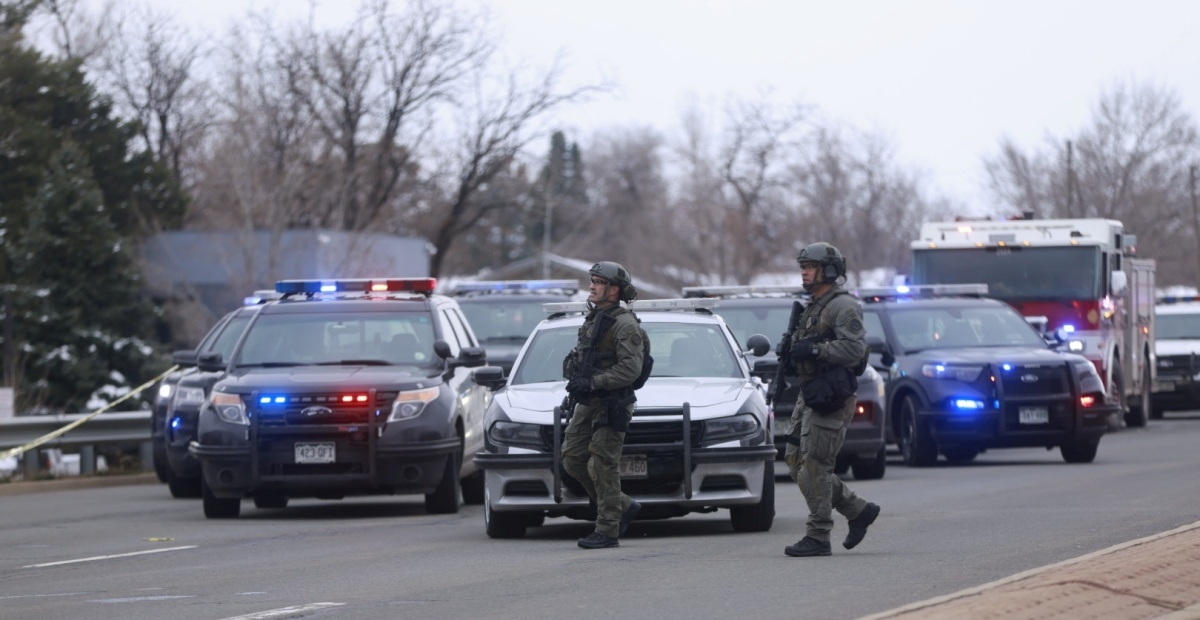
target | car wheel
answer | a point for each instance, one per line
(502, 524)
(871, 469)
(219, 507)
(1079, 450)
(960, 454)
(1139, 413)
(444, 499)
(183, 488)
(268, 500)
(472, 488)
(916, 443)
(159, 454)
(759, 517)
(842, 464)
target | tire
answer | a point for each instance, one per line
(1117, 389)
(270, 500)
(161, 468)
(842, 465)
(871, 469)
(219, 507)
(1138, 414)
(960, 454)
(502, 524)
(1080, 450)
(916, 442)
(445, 498)
(472, 488)
(759, 517)
(183, 488)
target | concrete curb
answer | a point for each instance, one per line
(70, 484)
(961, 594)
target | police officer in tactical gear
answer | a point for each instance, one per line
(828, 349)
(610, 350)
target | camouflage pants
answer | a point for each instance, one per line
(591, 454)
(814, 441)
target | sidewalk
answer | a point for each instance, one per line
(1153, 577)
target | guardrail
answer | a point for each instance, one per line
(125, 427)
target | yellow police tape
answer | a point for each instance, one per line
(64, 430)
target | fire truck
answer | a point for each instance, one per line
(1077, 278)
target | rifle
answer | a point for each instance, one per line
(583, 363)
(784, 350)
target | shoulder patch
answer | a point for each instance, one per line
(855, 325)
(636, 338)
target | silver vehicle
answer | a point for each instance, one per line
(700, 438)
(766, 309)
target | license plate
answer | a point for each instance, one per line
(634, 466)
(1033, 415)
(324, 452)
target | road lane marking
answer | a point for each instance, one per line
(138, 599)
(285, 611)
(109, 557)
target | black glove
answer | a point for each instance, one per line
(579, 385)
(804, 349)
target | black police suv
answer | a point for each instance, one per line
(504, 312)
(345, 387)
(218, 338)
(752, 310)
(967, 373)
(190, 389)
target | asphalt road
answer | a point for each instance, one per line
(133, 552)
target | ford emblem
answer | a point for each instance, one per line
(1029, 378)
(311, 412)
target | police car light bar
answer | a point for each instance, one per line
(515, 285)
(1177, 299)
(717, 291)
(659, 305)
(357, 285)
(923, 290)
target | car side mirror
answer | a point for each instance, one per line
(184, 358)
(472, 357)
(441, 348)
(490, 377)
(210, 362)
(880, 346)
(765, 369)
(1119, 282)
(759, 345)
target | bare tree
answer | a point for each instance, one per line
(1130, 163)
(758, 145)
(75, 33)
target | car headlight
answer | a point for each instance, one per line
(517, 434)
(967, 373)
(410, 404)
(230, 408)
(164, 391)
(734, 427)
(188, 396)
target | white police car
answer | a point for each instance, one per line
(1177, 353)
(700, 438)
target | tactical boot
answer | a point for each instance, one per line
(629, 515)
(859, 524)
(597, 540)
(808, 547)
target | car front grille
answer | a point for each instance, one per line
(308, 409)
(1176, 366)
(1035, 380)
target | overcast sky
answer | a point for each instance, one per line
(944, 79)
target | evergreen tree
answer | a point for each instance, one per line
(74, 201)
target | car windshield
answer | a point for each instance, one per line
(503, 320)
(1177, 326)
(679, 350)
(1050, 273)
(919, 328)
(375, 338)
(744, 321)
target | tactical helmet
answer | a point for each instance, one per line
(617, 275)
(833, 264)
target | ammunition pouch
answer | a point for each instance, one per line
(826, 392)
(616, 409)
